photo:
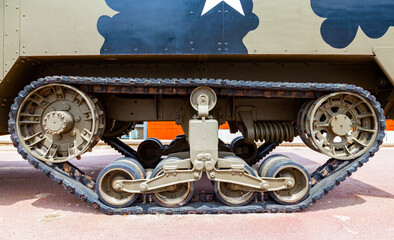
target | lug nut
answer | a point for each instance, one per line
(212, 174)
(196, 175)
(66, 107)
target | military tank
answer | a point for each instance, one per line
(87, 71)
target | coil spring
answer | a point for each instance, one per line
(274, 131)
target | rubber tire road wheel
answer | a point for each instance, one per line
(218, 186)
(150, 152)
(137, 164)
(159, 197)
(250, 156)
(116, 170)
(282, 166)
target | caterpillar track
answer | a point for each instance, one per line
(323, 180)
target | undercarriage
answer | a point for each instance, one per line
(56, 119)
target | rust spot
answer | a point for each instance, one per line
(309, 94)
(267, 93)
(111, 89)
(97, 89)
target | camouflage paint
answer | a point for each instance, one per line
(344, 17)
(177, 27)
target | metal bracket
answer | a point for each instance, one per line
(247, 115)
(173, 175)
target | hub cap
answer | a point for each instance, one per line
(58, 122)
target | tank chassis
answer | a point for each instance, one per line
(204, 156)
(56, 119)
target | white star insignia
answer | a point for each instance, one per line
(236, 4)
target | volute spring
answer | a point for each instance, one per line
(274, 131)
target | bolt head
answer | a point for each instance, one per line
(290, 184)
(264, 186)
(143, 187)
(117, 187)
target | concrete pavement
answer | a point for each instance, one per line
(34, 207)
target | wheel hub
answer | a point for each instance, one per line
(341, 125)
(58, 122)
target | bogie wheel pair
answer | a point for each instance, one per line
(176, 195)
(107, 189)
(233, 194)
(281, 166)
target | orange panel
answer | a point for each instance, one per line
(164, 130)
(390, 125)
(224, 126)
(168, 130)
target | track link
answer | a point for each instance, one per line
(324, 179)
(121, 147)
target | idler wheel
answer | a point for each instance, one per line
(233, 194)
(150, 152)
(109, 192)
(342, 125)
(241, 149)
(176, 195)
(281, 166)
(302, 126)
(57, 122)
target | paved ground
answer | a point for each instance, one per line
(33, 207)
